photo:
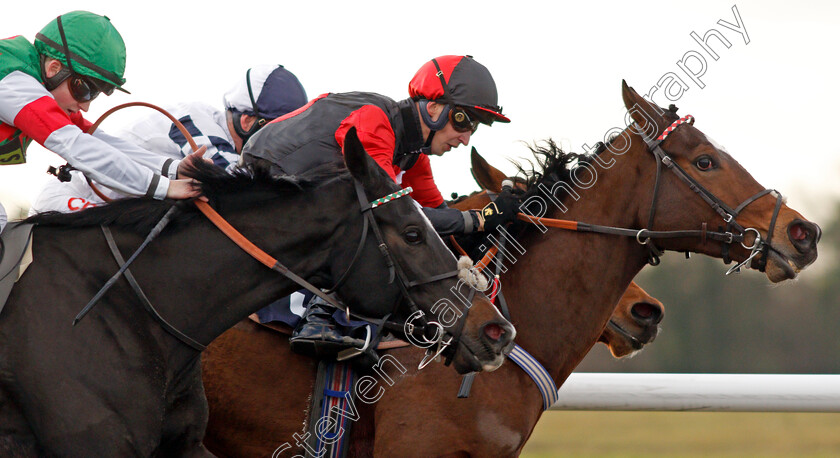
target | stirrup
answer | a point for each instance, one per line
(354, 351)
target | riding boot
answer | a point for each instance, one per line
(317, 335)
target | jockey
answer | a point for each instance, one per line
(45, 87)
(262, 94)
(449, 97)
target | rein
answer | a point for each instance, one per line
(733, 232)
(366, 208)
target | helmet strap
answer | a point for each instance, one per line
(237, 126)
(259, 121)
(447, 96)
(56, 80)
(427, 147)
(427, 118)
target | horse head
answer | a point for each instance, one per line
(707, 181)
(421, 275)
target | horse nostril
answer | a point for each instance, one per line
(646, 313)
(804, 234)
(798, 232)
(494, 331)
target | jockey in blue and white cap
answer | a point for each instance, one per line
(260, 94)
(266, 93)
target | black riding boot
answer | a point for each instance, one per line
(316, 335)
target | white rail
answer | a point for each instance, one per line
(701, 392)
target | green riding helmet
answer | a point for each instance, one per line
(95, 47)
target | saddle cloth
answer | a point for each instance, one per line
(15, 256)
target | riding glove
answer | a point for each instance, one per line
(501, 211)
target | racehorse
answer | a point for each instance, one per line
(661, 176)
(633, 191)
(126, 380)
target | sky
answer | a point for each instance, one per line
(769, 98)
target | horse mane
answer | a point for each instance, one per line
(550, 165)
(245, 187)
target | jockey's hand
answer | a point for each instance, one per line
(184, 189)
(501, 211)
(186, 162)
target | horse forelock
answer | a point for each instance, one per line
(243, 188)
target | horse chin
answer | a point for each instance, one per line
(623, 343)
(780, 268)
(624, 352)
(467, 360)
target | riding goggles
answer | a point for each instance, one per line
(462, 121)
(85, 89)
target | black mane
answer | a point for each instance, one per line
(552, 165)
(244, 188)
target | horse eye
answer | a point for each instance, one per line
(704, 163)
(412, 236)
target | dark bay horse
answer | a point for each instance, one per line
(636, 182)
(119, 384)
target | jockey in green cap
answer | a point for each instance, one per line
(45, 87)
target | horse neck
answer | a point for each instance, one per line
(234, 284)
(567, 284)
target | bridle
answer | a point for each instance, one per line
(733, 232)
(396, 272)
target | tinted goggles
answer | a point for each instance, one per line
(85, 89)
(466, 120)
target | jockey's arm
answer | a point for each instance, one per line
(377, 137)
(27, 105)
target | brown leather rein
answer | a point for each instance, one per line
(733, 232)
(211, 214)
(366, 209)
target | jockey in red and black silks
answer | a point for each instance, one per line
(449, 97)
(392, 132)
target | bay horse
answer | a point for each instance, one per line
(126, 381)
(708, 205)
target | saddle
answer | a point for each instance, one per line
(15, 256)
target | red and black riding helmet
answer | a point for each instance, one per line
(458, 81)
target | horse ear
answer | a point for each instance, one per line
(359, 163)
(487, 176)
(647, 116)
